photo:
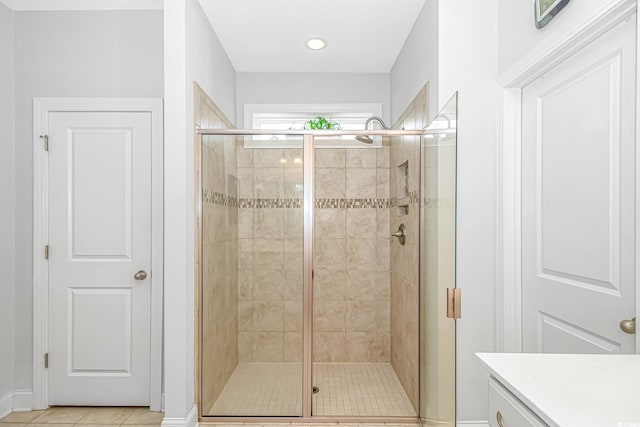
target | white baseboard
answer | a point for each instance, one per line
(16, 401)
(191, 420)
(472, 424)
(22, 400)
(6, 404)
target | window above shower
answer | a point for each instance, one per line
(292, 117)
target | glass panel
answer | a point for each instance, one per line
(352, 336)
(251, 278)
(437, 272)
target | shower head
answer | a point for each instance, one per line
(367, 139)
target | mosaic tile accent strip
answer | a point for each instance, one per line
(215, 198)
(352, 203)
(270, 203)
(413, 197)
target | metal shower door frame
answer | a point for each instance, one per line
(308, 242)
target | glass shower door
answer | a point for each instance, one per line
(438, 268)
(251, 276)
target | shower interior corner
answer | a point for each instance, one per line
(365, 315)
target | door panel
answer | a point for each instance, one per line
(99, 237)
(578, 191)
(100, 193)
(107, 313)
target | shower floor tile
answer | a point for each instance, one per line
(346, 389)
(359, 389)
(261, 389)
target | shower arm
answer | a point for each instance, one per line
(376, 119)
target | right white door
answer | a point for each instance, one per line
(578, 200)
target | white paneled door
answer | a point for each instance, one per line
(578, 195)
(99, 258)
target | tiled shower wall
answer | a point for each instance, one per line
(404, 189)
(351, 283)
(270, 254)
(219, 239)
(351, 255)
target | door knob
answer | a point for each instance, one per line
(628, 326)
(140, 275)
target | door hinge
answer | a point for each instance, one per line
(45, 138)
(454, 303)
(46, 360)
(46, 251)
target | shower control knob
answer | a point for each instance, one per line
(400, 234)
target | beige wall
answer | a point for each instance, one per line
(405, 258)
(351, 285)
(270, 255)
(219, 239)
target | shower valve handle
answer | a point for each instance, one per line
(400, 234)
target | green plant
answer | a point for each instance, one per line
(322, 123)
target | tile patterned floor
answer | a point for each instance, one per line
(359, 389)
(265, 389)
(84, 417)
(346, 389)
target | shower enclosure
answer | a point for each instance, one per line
(324, 264)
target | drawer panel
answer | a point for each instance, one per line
(514, 413)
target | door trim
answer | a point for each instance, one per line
(41, 108)
(557, 46)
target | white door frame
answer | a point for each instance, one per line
(41, 108)
(559, 44)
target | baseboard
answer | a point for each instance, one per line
(191, 420)
(6, 404)
(472, 424)
(16, 401)
(22, 400)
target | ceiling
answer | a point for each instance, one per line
(271, 36)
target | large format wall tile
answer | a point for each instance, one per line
(351, 254)
(222, 314)
(404, 313)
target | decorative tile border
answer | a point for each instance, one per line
(215, 198)
(352, 203)
(270, 203)
(413, 197)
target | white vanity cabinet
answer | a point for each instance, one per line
(505, 410)
(562, 390)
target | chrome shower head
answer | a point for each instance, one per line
(365, 139)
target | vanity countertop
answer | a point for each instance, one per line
(567, 390)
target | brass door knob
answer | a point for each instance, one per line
(499, 418)
(140, 275)
(628, 326)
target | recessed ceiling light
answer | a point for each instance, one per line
(316, 44)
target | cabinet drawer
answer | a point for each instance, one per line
(512, 411)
